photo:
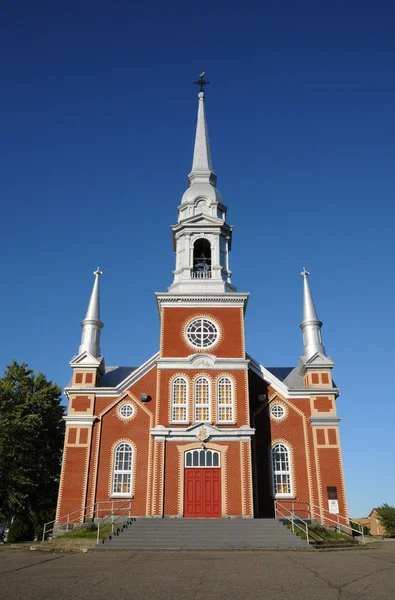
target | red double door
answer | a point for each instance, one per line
(202, 493)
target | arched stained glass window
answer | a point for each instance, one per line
(202, 399)
(281, 471)
(225, 400)
(179, 413)
(122, 476)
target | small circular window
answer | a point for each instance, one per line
(202, 333)
(126, 411)
(277, 411)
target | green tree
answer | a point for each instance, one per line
(386, 516)
(31, 442)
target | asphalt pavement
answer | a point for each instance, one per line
(197, 575)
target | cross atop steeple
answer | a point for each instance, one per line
(305, 273)
(201, 81)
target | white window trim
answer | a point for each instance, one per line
(291, 494)
(231, 404)
(197, 405)
(174, 405)
(122, 472)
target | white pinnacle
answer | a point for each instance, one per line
(202, 169)
(92, 325)
(311, 325)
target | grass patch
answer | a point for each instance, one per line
(81, 533)
(317, 533)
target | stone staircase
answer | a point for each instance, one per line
(201, 534)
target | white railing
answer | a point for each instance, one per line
(342, 523)
(114, 517)
(309, 511)
(281, 512)
(98, 510)
(200, 274)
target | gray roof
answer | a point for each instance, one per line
(290, 376)
(114, 375)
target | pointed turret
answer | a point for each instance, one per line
(92, 325)
(311, 325)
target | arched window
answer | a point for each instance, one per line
(202, 399)
(202, 458)
(225, 400)
(122, 476)
(281, 471)
(179, 400)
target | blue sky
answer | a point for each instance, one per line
(97, 114)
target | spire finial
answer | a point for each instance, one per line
(202, 82)
(98, 273)
(305, 273)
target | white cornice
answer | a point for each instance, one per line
(220, 300)
(312, 391)
(203, 361)
(325, 421)
(176, 434)
(79, 419)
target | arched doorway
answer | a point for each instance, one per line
(202, 488)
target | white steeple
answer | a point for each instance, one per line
(92, 325)
(311, 325)
(202, 239)
(202, 168)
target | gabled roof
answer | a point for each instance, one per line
(113, 376)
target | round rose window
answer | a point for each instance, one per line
(202, 333)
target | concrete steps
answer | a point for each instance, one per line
(201, 534)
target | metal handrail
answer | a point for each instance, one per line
(81, 515)
(100, 524)
(292, 519)
(337, 522)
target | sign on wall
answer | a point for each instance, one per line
(333, 506)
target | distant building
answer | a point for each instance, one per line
(202, 429)
(372, 523)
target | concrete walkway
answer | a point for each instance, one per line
(197, 575)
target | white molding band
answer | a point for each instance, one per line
(214, 434)
(221, 300)
(80, 419)
(203, 361)
(325, 421)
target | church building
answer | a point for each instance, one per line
(202, 429)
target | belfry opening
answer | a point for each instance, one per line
(201, 259)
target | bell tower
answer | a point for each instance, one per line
(202, 239)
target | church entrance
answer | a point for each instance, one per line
(202, 485)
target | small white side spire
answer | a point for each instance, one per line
(311, 325)
(202, 168)
(92, 325)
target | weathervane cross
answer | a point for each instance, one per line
(201, 81)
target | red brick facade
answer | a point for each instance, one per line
(157, 468)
